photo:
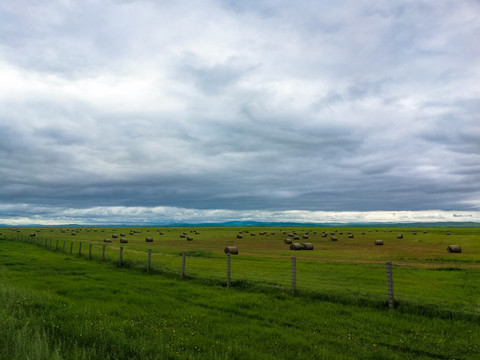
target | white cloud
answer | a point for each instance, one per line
(273, 106)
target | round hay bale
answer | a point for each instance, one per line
(334, 238)
(32, 234)
(189, 238)
(252, 234)
(122, 234)
(287, 241)
(182, 236)
(324, 234)
(114, 236)
(351, 236)
(291, 235)
(231, 250)
(296, 246)
(149, 239)
(74, 233)
(307, 246)
(296, 237)
(454, 249)
(239, 236)
(378, 242)
(123, 241)
(447, 233)
(414, 233)
(107, 240)
(160, 233)
(305, 236)
(400, 236)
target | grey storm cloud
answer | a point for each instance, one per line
(244, 107)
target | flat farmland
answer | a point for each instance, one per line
(430, 284)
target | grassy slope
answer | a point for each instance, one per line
(55, 305)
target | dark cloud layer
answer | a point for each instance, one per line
(241, 106)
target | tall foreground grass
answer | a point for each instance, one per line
(57, 305)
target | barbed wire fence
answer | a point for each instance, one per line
(380, 284)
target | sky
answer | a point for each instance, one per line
(118, 111)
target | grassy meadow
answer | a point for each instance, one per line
(78, 305)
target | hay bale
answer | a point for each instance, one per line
(123, 241)
(378, 242)
(287, 241)
(324, 234)
(351, 236)
(252, 234)
(189, 238)
(239, 236)
(291, 235)
(447, 233)
(160, 233)
(122, 234)
(414, 233)
(114, 236)
(32, 234)
(334, 238)
(182, 236)
(149, 239)
(307, 246)
(231, 250)
(107, 240)
(296, 246)
(305, 236)
(454, 249)
(400, 236)
(296, 237)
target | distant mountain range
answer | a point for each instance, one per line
(258, 223)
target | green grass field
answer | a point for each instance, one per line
(80, 306)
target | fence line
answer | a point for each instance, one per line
(209, 269)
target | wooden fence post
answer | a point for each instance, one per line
(71, 248)
(120, 262)
(50, 243)
(229, 279)
(149, 262)
(103, 253)
(56, 246)
(294, 274)
(90, 252)
(63, 249)
(184, 256)
(80, 248)
(391, 298)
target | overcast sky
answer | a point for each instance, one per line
(213, 110)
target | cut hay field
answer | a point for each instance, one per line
(339, 306)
